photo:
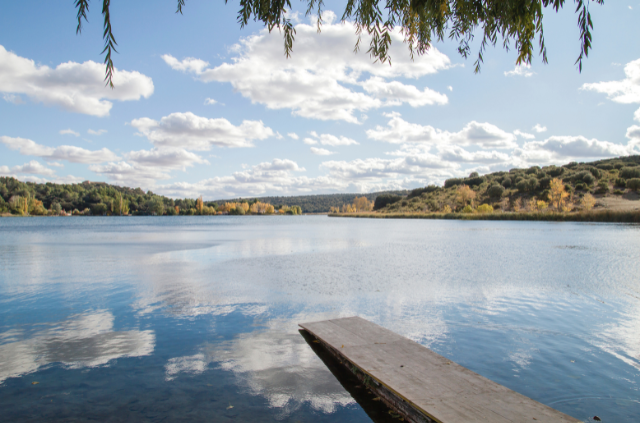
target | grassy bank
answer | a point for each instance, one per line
(593, 216)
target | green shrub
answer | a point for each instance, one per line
(419, 191)
(467, 209)
(603, 187)
(383, 199)
(634, 184)
(618, 192)
(453, 182)
(630, 172)
(528, 185)
(506, 182)
(571, 165)
(485, 208)
(585, 176)
(554, 172)
(533, 170)
(580, 186)
(620, 183)
(545, 182)
(475, 181)
(474, 175)
(605, 166)
(495, 191)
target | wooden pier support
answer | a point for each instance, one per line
(420, 385)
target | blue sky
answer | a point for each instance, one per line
(202, 107)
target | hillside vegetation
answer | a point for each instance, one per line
(566, 190)
(100, 199)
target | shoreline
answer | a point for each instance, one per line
(597, 216)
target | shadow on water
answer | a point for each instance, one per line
(377, 411)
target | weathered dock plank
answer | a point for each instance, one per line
(420, 384)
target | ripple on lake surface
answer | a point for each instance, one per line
(195, 318)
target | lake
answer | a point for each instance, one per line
(195, 318)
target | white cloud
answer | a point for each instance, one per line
(186, 130)
(521, 70)
(69, 132)
(450, 88)
(625, 91)
(146, 167)
(318, 80)
(209, 102)
(76, 87)
(293, 135)
(484, 135)
(277, 176)
(328, 139)
(64, 152)
(524, 135)
(166, 158)
(131, 174)
(98, 132)
(58, 343)
(31, 168)
(395, 93)
(572, 147)
(321, 151)
(539, 128)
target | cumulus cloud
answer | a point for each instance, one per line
(147, 167)
(209, 102)
(484, 135)
(186, 130)
(559, 149)
(524, 135)
(520, 70)
(539, 128)
(67, 153)
(328, 139)
(318, 80)
(76, 87)
(276, 176)
(98, 132)
(625, 91)
(396, 93)
(69, 132)
(293, 135)
(31, 168)
(131, 174)
(166, 158)
(321, 151)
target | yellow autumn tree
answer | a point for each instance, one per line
(464, 194)
(587, 202)
(557, 194)
(199, 205)
(362, 204)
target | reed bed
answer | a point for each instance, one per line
(592, 216)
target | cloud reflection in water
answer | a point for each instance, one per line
(84, 340)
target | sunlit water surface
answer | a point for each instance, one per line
(195, 318)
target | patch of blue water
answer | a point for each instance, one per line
(170, 319)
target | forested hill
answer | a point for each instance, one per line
(320, 203)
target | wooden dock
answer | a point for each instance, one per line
(420, 385)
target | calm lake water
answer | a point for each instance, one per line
(195, 318)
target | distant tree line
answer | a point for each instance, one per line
(320, 203)
(101, 199)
